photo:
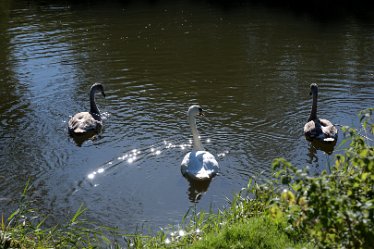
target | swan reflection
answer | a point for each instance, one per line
(315, 145)
(79, 139)
(197, 189)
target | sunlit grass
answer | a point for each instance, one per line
(256, 232)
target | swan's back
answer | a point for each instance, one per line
(83, 122)
(199, 165)
(320, 129)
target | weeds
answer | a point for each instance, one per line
(24, 228)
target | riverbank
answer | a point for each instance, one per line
(294, 210)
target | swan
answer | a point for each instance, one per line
(84, 122)
(319, 129)
(198, 164)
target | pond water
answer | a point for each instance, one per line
(249, 67)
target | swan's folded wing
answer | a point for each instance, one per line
(83, 122)
(329, 130)
(199, 165)
(325, 122)
(210, 162)
(310, 129)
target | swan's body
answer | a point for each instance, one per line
(316, 128)
(84, 122)
(198, 164)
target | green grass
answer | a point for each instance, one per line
(257, 233)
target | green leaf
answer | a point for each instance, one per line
(79, 212)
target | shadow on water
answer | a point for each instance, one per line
(323, 11)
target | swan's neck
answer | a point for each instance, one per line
(313, 112)
(195, 133)
(93, 106)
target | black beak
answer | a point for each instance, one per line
(201, 113)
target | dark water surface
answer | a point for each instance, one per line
(249, 67)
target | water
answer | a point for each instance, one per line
(249, 67)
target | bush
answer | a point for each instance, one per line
(334, 209)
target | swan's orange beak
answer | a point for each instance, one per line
(201, 113)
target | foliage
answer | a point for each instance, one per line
(24, 228)
(334, 209)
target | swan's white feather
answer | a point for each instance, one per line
(199, 165)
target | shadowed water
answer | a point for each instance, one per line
(248, 67)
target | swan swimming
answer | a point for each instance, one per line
(84, 122)
(198, 164)
(319, 129)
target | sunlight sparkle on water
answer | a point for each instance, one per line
(123, 157)
(93, 174)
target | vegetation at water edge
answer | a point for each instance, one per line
(293, 210)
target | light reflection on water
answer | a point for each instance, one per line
(249, 68)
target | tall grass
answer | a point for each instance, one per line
(26, 228)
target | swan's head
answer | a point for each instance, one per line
(313, 89)
(195, 110)
(98, 87)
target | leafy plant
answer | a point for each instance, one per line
(335, 209)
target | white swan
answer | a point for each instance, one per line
(319, 129)
(84, 122)
(198, 164)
